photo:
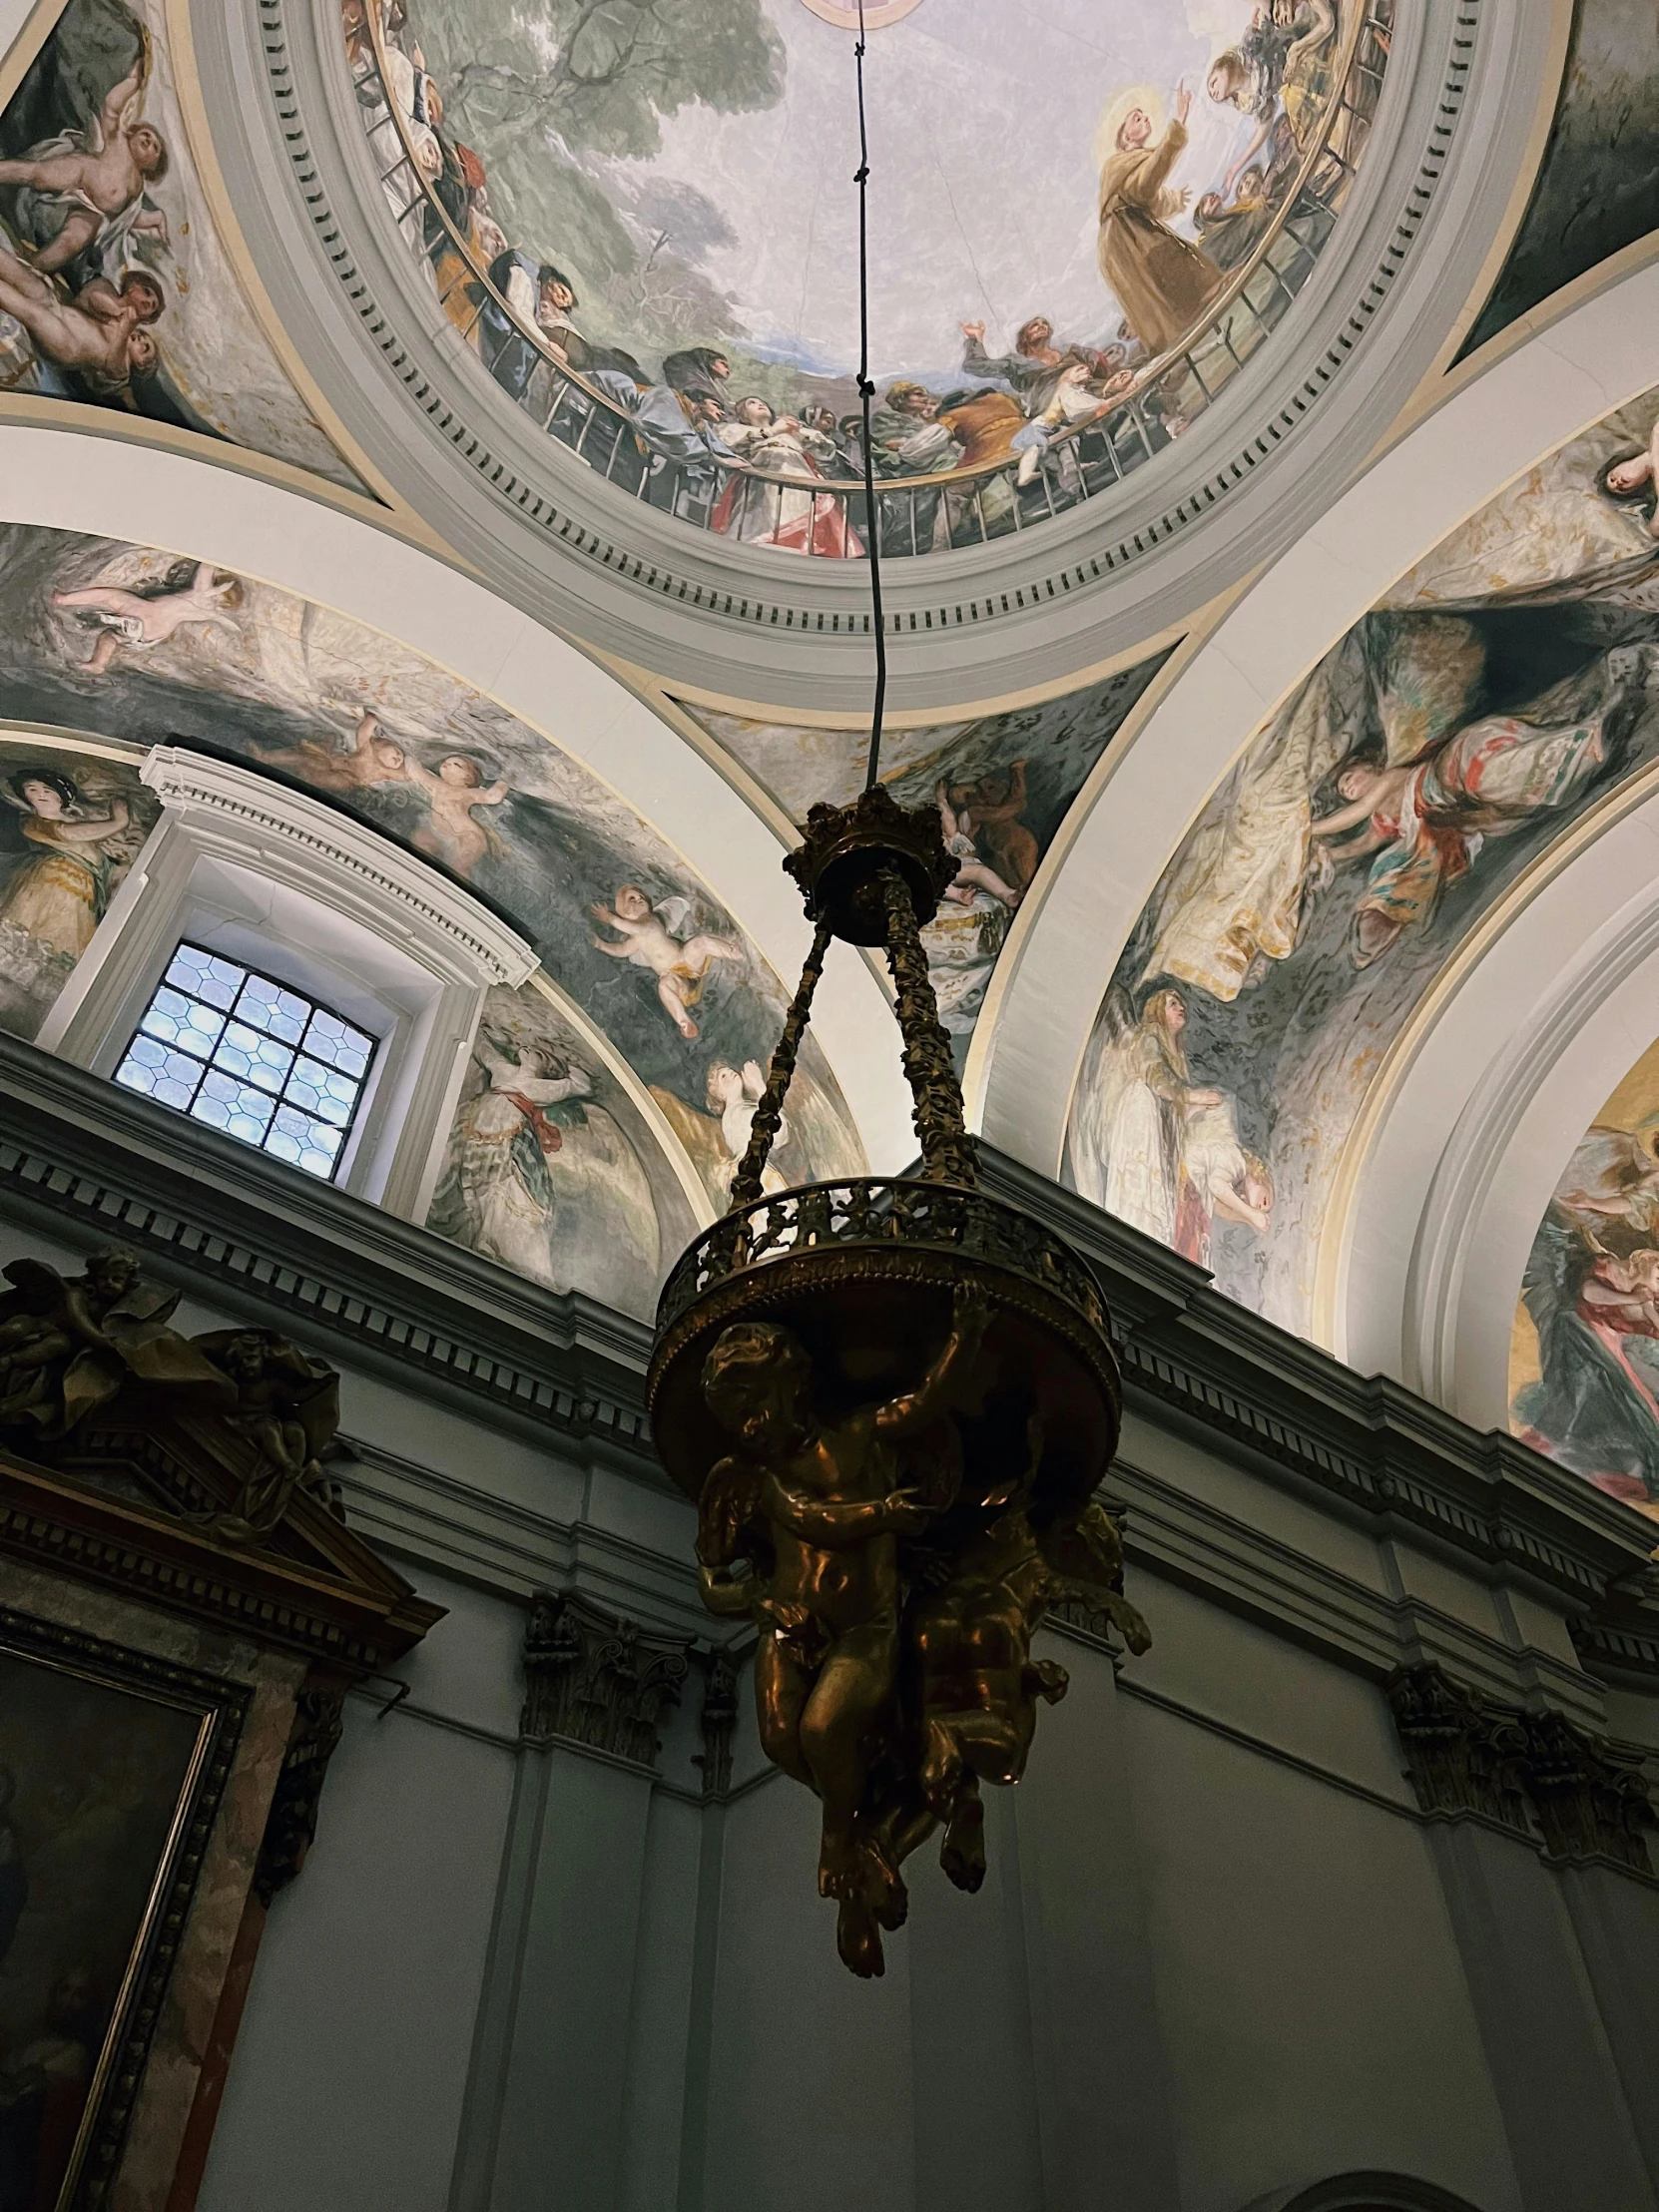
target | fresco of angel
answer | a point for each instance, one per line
(655, 937)
(85, 188)
(1591, 1290)
(540, 1175)
(146, 614)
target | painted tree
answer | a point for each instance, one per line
(551, 93)
(600, 73)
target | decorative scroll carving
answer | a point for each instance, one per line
(290, 1827)
(718, 1722)
(1590, 1796)
(597, 1680)
(1463, 1754)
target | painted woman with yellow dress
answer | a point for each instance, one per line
(59, 893)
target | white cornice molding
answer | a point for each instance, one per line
(302, 841)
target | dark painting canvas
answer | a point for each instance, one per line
(91, 1776)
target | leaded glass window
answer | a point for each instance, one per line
(248, 1055)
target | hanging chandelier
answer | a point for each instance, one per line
(892, 1399)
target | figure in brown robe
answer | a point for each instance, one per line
(1164, 284)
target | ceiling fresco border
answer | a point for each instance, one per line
(1273, 634)
(709, 621)
(312, 549)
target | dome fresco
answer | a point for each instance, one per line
(656, 201)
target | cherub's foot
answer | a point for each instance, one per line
(881, 1885)
(688, 1030)
(1049, 1681)
(962, 1853)
(838, 1869)
(858, 1940)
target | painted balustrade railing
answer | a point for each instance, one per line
(827, 515)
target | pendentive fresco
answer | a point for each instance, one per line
(116, 287)
(550, 1169)
(1505, 687)
(1584, 1349)
(71, 827)
(130, 643)
(1597, 188)
(1002, 784)
(624, 213)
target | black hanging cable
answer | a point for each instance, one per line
(867, 391)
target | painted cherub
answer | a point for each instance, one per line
(1638, 479)
(97, 175)
(972, 873)
(817, 1511)
(680, 965)
(150, 616)
(372, 757)
(449, 832)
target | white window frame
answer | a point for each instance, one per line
(275, 880)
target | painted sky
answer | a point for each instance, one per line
(983, 126)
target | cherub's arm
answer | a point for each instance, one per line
(1345, 818)
(1372, 840)
(947, 816)
(838, 1524)
(493, 797)
(423, 777)
(80, 1319)
(630, 930)
(940, 1388)
(115, 101)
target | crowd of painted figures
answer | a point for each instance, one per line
(1029, 419)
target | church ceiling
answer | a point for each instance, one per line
(118, 287)
(1003, 785)
(134, 645)
(625, 237)
(1444, 748)
(628, 215)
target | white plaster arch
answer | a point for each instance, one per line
(1508, 1073)
(103, 485)
(1492, 428)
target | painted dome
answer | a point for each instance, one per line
(1083, 227)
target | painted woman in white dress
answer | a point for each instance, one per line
(1133, 1105)
(543, 1181)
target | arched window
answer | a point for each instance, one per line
(280, 971)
